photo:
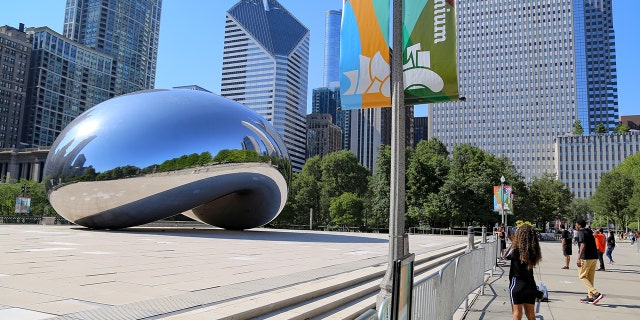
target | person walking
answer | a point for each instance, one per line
(587, 259)
(601, 244)
(524, 255)
(502, 237)
(611, 244)
(565, 237)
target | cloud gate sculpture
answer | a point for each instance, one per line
(150, 155)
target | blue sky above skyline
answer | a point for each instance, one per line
(192, 35)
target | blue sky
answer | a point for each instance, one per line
(192, 32)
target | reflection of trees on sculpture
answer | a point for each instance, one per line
(236, 156)
(184, 162)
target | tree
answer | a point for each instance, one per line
(613, 195)
(39, 204)
(630, 167)
(551, 198)
(600, 129)
(579, 208)
(378, 201)
(346, 210)
(577, 128)
(306, 190)
(621, 128)
(342, 172)
(426, 174)
(468, 191)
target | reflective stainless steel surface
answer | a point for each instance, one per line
(150, 155)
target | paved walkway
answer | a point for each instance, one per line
(68, 272)
(620, 284)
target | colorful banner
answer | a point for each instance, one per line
(500, 195)
(429, 51)
(365, 66)
(23, 205)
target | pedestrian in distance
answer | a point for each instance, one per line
(524, 255)
(611, 244)
(587, 260)
(601, 244)
(502, 237)
(565, 237)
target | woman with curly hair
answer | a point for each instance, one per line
(524, 255)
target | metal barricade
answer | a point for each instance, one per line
(439, 295)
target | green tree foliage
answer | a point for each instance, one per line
(304, 196)
(631, 168)
(379, 190)
(346, 210)
(621, 128)
(426, 173)
(577, 128)
(600, 129)
(24, 188)
(308, 189)
(322, 180)
(551, 198)
(613, 197)
(236, 156)
(468, 191)
(579, 208)
(341, 172)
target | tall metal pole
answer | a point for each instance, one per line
(398, 240)
(504, 212)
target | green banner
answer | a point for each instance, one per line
(430, 53)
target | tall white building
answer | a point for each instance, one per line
(265, 67)
(528, 70)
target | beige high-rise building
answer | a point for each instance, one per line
(528, 71)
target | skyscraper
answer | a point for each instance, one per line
(65, 79)
(529, 70)
(265, 67)
(128, 30)
(323, 137)
(15, 53)
(326, 99)
(332, 49)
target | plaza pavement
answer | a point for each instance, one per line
(620, 284)
(70, 272)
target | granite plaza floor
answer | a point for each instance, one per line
(70, 272)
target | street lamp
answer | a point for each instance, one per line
(504, 213)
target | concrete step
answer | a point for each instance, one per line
(314, 298)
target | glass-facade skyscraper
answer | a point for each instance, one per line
(127, 30)
(528, 71)
(265, 67)
(331, 74)
(65, 79)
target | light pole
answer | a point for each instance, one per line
(504, 212)
(398, 239)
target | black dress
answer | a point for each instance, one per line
(522, 285)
